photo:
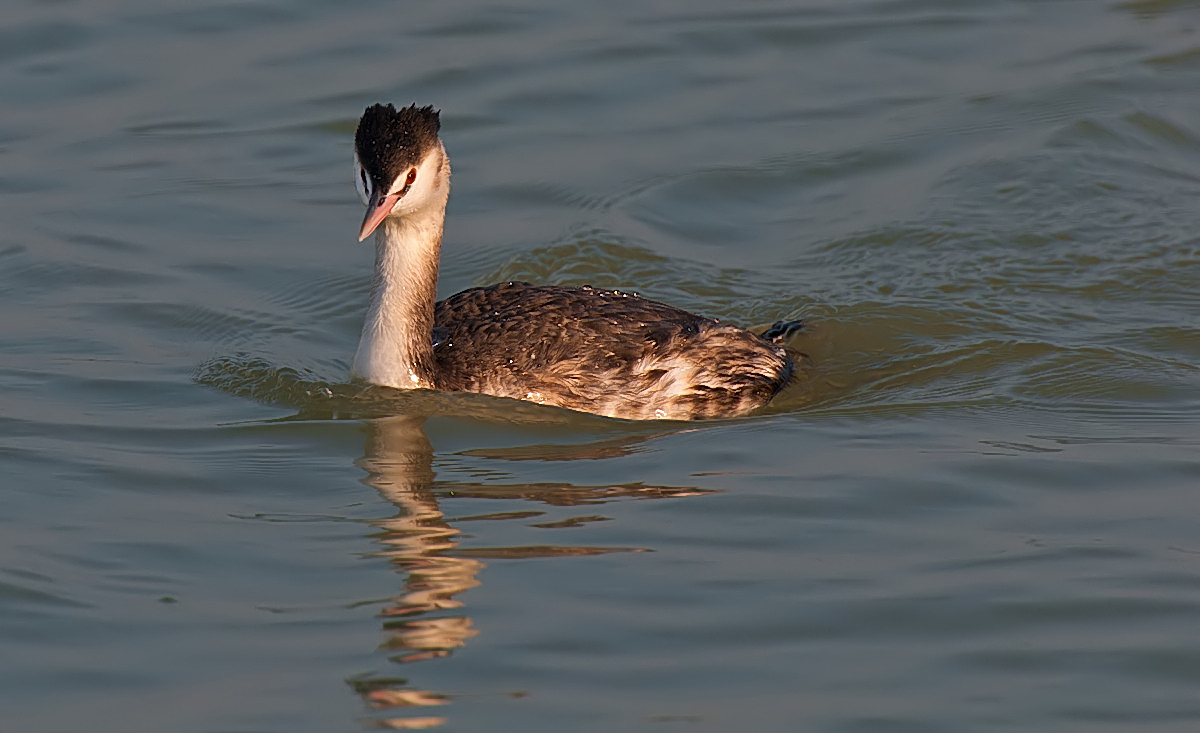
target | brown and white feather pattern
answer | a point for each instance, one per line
(602, 351)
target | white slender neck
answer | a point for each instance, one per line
(396, 349)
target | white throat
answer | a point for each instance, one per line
(396, 349)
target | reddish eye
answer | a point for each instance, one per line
(412, 176)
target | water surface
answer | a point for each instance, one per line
(976, 511)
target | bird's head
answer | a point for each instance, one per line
(399, 163)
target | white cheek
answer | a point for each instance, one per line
(362, 182)
(399, 185)
(412, 199)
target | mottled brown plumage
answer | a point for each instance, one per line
(600, 351)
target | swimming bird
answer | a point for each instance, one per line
(600, 351)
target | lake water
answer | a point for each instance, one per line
(978, 510)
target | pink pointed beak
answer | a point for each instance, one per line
(378, 209)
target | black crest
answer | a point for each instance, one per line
(389, 140)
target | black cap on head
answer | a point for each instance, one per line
(389, 140)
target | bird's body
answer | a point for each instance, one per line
(601, 351)
(598, 351)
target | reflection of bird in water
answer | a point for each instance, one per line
(426, 620)
(400, 464)
(598, 351)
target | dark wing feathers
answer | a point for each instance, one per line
(601, 351)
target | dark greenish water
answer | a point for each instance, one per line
(979, 510)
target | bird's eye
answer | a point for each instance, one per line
(412, 176)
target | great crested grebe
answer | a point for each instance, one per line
(599, 351)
